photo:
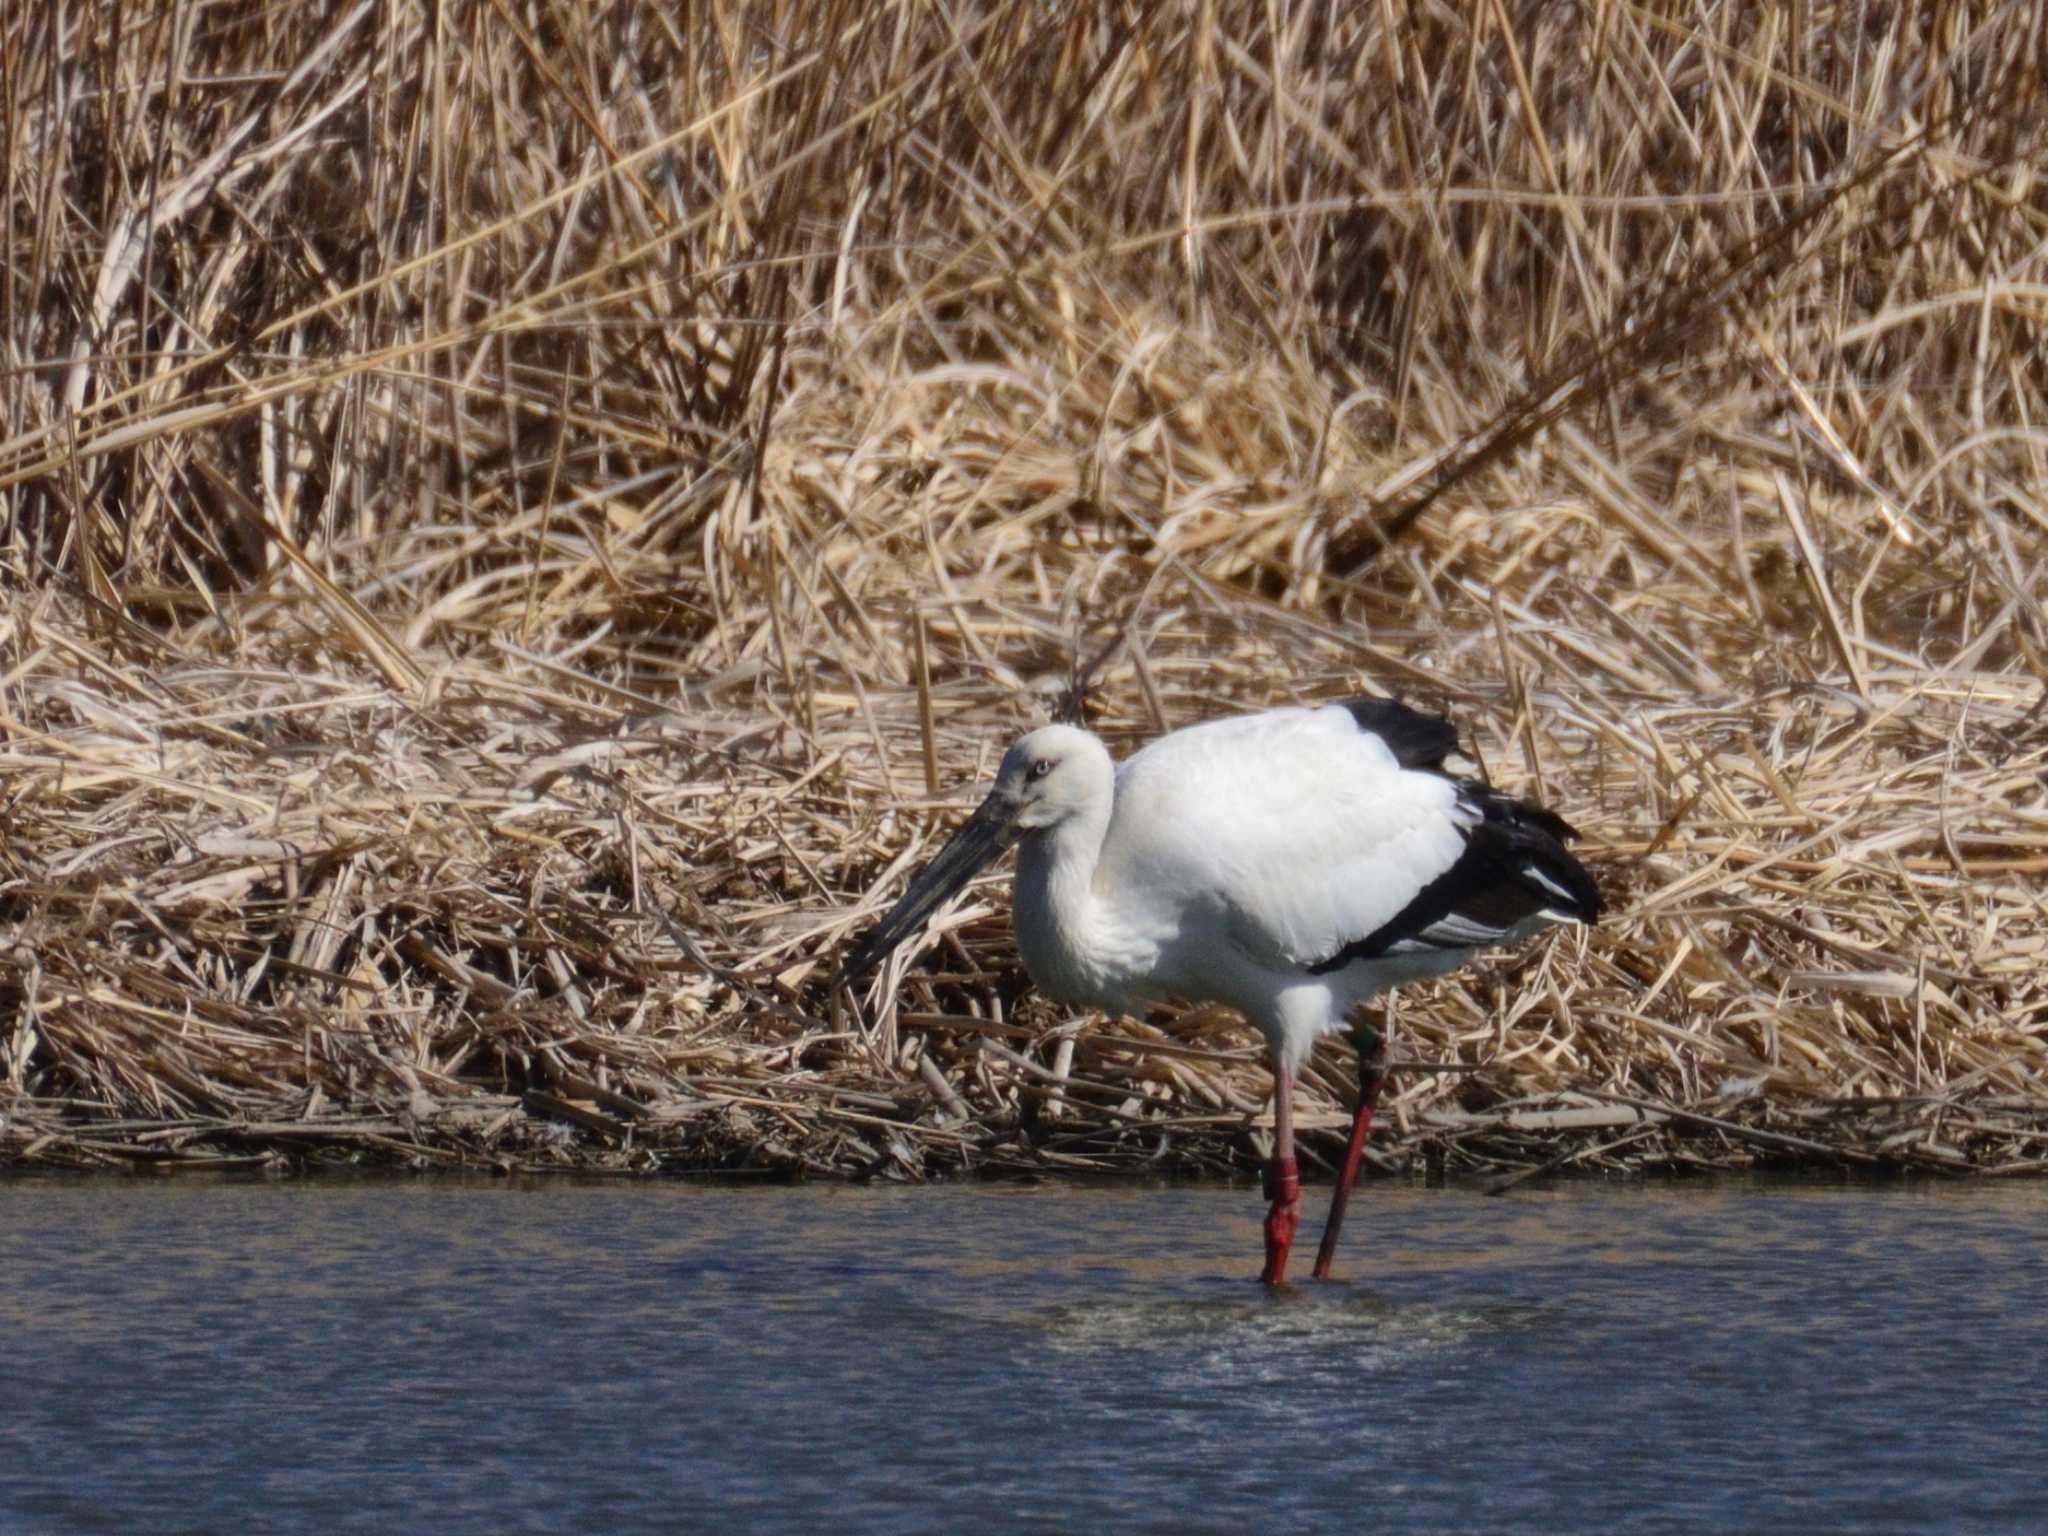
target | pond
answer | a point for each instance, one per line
(472, 1356)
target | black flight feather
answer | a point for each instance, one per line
(1492, 886)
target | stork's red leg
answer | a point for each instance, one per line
(1372, 1070)
(1283, 1178)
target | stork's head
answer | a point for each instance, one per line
(1055, 773)
(1047, 779)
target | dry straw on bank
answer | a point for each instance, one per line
(522, 522)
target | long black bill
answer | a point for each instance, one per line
(974, 847)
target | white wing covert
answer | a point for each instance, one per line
(1329, 836)
(1299, 829)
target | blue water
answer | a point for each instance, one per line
(457, 1356)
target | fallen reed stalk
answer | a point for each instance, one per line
(521, 524)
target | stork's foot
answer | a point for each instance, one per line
(1283, 1216)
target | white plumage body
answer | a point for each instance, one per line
(1234, 856)
(1289, 864)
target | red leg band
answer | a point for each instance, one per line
(1283, 1184)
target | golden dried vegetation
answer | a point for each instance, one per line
(518, 517)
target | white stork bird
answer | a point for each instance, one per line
(1290, 865)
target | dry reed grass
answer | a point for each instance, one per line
(519, 517)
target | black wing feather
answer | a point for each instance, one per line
(1417, 740)
(1494, 884)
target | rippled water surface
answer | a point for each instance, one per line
(458, 1356)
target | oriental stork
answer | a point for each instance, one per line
(1290, 864)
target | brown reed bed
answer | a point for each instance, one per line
(523, 522)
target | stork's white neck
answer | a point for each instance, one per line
(1061, 927)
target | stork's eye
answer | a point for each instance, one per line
(1039, 769)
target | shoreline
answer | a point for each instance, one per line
(544, 1134)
